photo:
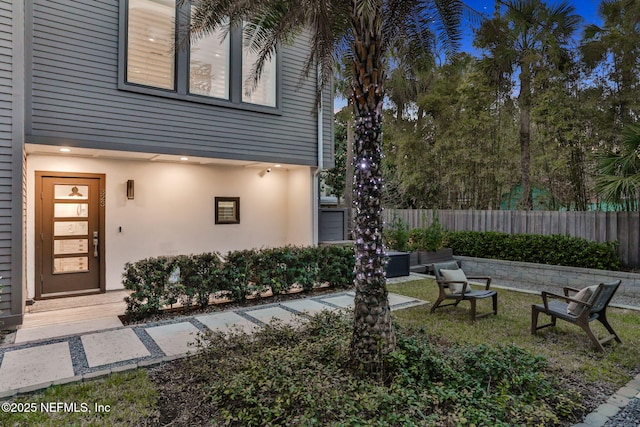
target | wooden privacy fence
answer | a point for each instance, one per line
(623, 227)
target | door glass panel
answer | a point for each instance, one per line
(71, 192)
(69, 265)
(70, 228)
(65, 210)
(74, 246)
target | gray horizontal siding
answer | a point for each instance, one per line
(75, 98)
(327, 128)
(6, 160)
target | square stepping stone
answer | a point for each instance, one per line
(226, 321)
(103, 348)
(266, 315)
(342, 301)
(395, 300)
(308, 306)
(174, 339)
(35, 365)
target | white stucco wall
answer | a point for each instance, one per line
(173, 209)
(300, 207)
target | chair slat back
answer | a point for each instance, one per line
(603, 298)
(449, 265)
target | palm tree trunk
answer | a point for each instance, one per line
(373, 337)
(526, 201)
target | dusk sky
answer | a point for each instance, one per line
(587, 9)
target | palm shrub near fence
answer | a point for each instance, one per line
(397, 234)
(430, 238)
(543, 249)
(192, 280)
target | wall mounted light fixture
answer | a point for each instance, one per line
(130, 189)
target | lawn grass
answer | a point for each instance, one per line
(127, 399)
(565, 346)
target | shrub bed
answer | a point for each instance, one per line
(543, 249)
(290, 375)
(192, 280)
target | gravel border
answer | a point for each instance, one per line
(629, 416)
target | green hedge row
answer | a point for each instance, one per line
(543, 249)
(192, 279)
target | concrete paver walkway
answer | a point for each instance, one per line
(41, 357)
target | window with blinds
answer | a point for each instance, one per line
(199, 71)
(150, 43)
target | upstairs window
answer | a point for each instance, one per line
(150, 41)
(264, 93)
(209, 65)
(212, 69)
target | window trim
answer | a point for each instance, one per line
(181, 73)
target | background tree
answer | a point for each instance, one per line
(366, 31)
(474, 141)
(568, 123)
(530, 36)
(614, 50)
(456, 149)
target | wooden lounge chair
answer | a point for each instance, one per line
(458, 289)
(578, 310)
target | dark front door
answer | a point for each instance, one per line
(69, 234)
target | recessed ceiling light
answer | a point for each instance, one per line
(278, 166)
(184, 159)
(65, 150)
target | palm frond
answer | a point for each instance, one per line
(450, 13)
(618, 179)
(408, 27)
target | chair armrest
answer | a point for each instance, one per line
(486, 278)
(549, 295)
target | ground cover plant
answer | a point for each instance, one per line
(286, 375)
(447, 371)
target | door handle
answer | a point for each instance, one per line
(95, 244)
